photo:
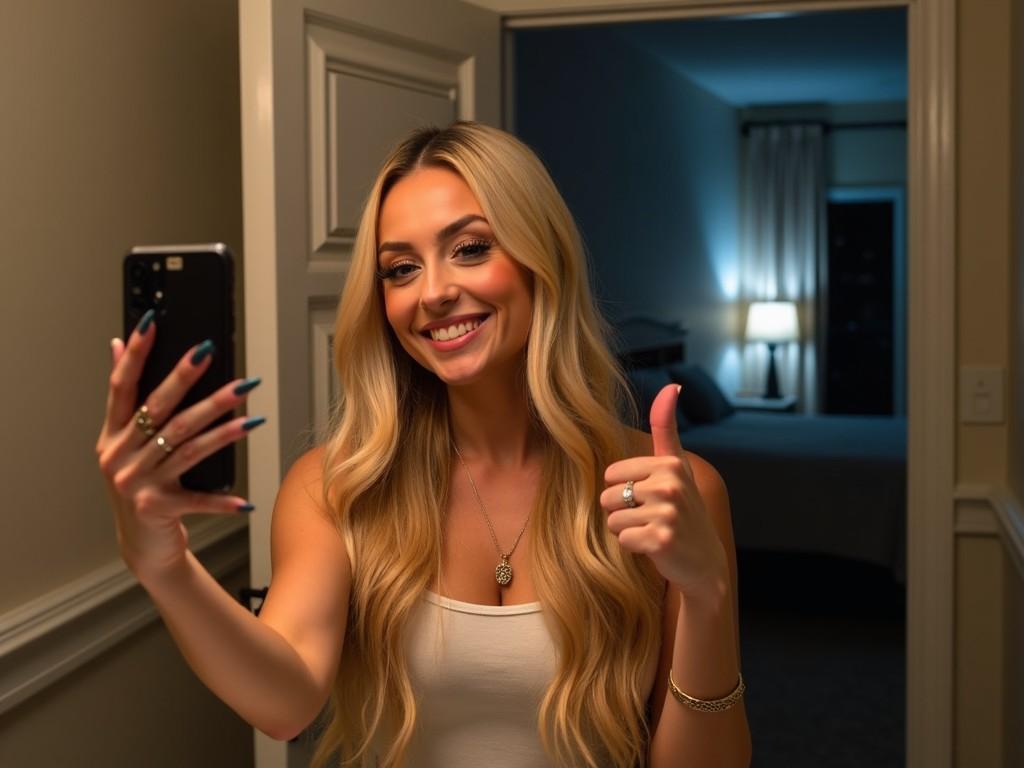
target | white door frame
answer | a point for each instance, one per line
(931, 338)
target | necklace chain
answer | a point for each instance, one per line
(503, 573)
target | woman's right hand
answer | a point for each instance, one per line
(142, 478)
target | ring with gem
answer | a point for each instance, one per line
(145, 422)
(162, 442)
(627, 494)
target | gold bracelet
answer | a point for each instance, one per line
(708, 705)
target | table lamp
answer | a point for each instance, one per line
(772, 322)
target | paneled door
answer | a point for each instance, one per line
(327, 87)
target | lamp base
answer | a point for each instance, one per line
(771, 391)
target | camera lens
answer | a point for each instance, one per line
(137, 271)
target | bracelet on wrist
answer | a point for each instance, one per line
(707, 705)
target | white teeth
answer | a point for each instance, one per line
(453, 331)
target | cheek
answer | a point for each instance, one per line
(396, 311)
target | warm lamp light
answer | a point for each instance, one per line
(772, 322)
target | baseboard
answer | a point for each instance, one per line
(994, 511)
(49, 637)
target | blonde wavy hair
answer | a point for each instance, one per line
(387, 463)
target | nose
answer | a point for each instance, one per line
(438, 288)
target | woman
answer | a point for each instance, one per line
(482, 565)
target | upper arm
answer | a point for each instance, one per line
(307, 602)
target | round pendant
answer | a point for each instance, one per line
(503, 573)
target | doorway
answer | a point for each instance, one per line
(674, 257)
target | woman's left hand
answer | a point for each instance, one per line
(669, 522)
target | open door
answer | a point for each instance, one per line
(327, 87)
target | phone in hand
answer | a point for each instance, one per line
(190, 288)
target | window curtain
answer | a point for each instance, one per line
(782, 243)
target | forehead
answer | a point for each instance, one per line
(424, 202)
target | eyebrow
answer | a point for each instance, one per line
(443, 234)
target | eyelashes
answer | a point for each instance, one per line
(469, 249)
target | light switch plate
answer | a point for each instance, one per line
(981, 394)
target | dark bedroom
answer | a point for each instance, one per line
(740, 186)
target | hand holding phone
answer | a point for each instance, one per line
(190, 291)
(161, 425)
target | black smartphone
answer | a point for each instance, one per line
(190, 288)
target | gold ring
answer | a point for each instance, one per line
(144, 421)
(162, 442)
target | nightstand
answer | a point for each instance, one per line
(785, 404)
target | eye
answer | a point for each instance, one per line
(398, 272)
(473, 249)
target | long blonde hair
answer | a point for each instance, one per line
(387, 463)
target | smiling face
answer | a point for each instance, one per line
(459, 305)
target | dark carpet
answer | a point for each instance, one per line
(822, 641)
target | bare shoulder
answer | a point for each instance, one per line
(301, 515)
(311, 573)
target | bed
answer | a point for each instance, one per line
(828, 484)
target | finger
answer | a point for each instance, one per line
(124, 379)
(639, 539)
(183, 457)
(622, 519)
(185, 502)
(611, 498)
(193, 420)
(162, 401)
(664, 430)
(636, 468)
(116, 350)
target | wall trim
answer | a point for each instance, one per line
(993, 511)
(51, 636)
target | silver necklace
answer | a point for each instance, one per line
(503, 573)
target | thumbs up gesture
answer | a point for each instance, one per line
(655, 507)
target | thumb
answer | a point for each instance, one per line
(664, 430)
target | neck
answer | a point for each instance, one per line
(491, 423)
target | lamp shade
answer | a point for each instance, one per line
(772, 321)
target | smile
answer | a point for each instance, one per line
(456, 335)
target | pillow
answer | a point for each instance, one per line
(646, 384)
(700, 399)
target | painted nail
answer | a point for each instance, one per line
(145, 321)
(252, 423)
(247, 385)
(247, 507)
(203, 351)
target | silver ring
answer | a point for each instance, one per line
(162, 442)
(627, 494)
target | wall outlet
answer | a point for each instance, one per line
(981, 394)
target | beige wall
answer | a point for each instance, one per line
(1017, 234)
(136, 705)
(1013, 717)
(989, 609)
(120, 126)
(983, 219)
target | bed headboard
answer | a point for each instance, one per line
(643, 342)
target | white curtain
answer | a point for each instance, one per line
(783, 222)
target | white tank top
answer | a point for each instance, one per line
(479, 673)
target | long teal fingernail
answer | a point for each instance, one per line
(203, 351)
(252, 423)
(247, 385)
(145, 321)
(247, 507)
